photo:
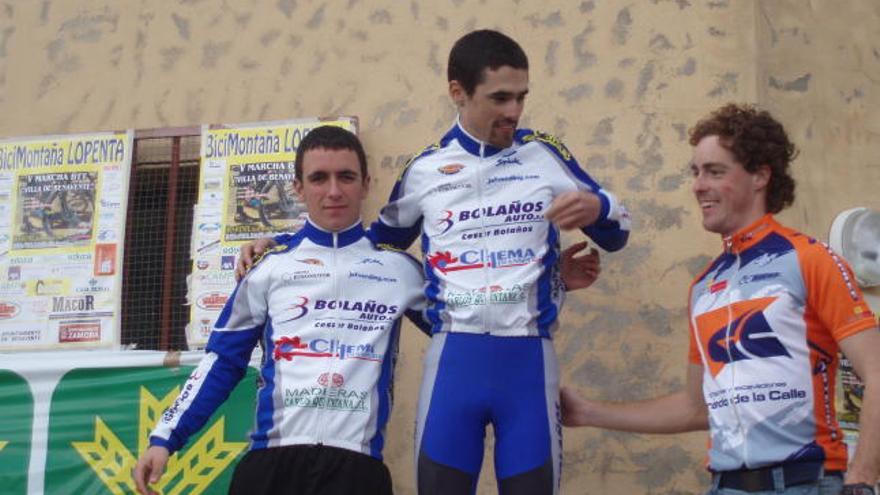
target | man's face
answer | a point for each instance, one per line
(491, 114)
(332, 187)
(730, 197)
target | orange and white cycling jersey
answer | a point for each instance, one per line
(766, 317)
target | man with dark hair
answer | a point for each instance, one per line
(767, 319)
(479, 50)
(489, 201)
(325, 307)
(330, 138)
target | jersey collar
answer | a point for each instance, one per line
(325, 237)
(471, 144)
(751, 235)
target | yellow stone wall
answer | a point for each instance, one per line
(620, 82)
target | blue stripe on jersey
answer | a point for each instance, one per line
(470, 144)
(223, 319)
(774, 245)
(234, 346)
(283, 238)
(547, 310)
(607, 234)
(721, 263)
(398, 237)
(233, 353)
(265, 400)
(385, 391)
(432, 290)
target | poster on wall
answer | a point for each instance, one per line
(245, 192)
(62, 222)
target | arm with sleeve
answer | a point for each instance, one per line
(611, 229)
(227, 354)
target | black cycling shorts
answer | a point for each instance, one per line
(309, 470)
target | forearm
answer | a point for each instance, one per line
(865, 465)
(672, 413)
(862, 350)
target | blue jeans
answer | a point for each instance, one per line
(826, 485)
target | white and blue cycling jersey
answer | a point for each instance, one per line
(489, 253)
(325, 308)
(490, 263)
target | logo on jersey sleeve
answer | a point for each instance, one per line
(738, 332)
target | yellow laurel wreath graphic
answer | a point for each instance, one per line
(109, 458)
(3, 445)
(190, 471)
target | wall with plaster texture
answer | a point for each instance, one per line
(620, 82)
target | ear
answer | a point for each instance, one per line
(457, 93)
(761, 177)
(298, 187)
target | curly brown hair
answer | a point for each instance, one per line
(755, 138)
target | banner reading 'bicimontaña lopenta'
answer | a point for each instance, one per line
(62, 222)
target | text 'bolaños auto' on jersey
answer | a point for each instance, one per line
(766, 319)
(490, 255)
(326, 308)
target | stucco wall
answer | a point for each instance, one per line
(620, 82)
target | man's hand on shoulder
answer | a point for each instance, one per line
(574, 210)
(250, 252)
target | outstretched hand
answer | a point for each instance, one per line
(249, 252)
(579, 272)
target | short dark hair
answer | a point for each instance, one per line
(329, 137)
(755, 138)
(482, 49)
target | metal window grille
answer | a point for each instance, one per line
(163, 188)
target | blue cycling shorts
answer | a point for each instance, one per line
(471, 381)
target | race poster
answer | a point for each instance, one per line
(62, 222)
(246, 192)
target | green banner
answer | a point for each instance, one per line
(15, 432)
(100, 420)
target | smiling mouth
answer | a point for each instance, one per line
(707, 205)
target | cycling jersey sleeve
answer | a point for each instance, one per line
(833, 293)
(611, 230)
(228, 352)
(400, 221)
